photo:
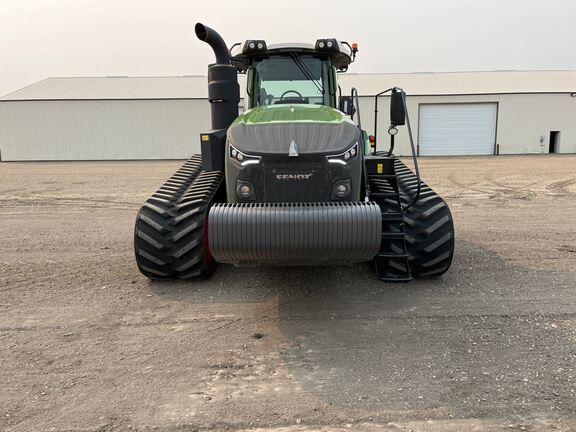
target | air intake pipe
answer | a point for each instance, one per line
(223, 88)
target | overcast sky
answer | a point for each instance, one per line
(43, 38)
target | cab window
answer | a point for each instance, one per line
(291, 79)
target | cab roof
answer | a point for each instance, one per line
(241, 57)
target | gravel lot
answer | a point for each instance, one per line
(87, 343)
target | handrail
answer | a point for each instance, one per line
(410, 136)
(354, 97)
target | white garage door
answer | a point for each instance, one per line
(457, 129)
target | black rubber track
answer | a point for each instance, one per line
(428, 226)
(169, 235)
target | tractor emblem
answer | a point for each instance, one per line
(294, 176)
(293, 149)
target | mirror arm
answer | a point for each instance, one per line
(392, 136)
(354, 97)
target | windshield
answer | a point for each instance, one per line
(290, 79)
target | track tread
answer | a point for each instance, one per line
(428, 226)
(169, 232)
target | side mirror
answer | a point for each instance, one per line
(346, 106)
(397, 112)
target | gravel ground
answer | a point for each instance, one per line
(87, 343)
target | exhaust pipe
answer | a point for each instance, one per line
(223, 89)
(212, 38)
(223, 95)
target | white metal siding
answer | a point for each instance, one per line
(148, 129)
(101, 130)
(457, 129)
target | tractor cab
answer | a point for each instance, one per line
(284, 74)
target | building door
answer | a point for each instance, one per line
(457, 129)
(554, 142)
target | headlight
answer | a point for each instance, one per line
(345, 157)
(327, 45)
(253, 46)
(245, 190)
(342, 189)
(242, 158)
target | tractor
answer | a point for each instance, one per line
(294, 180)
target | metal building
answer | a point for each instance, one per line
(104, 118)
(468, 113)
(161, 117)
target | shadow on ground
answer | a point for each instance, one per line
(487, 339)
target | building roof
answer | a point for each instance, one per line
(464, 83)
(106, 88)
(194, 87)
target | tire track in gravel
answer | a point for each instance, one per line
(561, 187)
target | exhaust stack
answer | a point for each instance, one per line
(212, 38)
(223, 89)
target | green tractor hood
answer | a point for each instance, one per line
(291, 114)
(315, 129)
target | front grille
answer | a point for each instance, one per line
(304, 182)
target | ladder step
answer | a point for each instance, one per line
(392, 236)
(384, 194)
(392, 256)
(394, 269)
(395, 278)
(392, 216)
(391, 263)
(382, 176)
